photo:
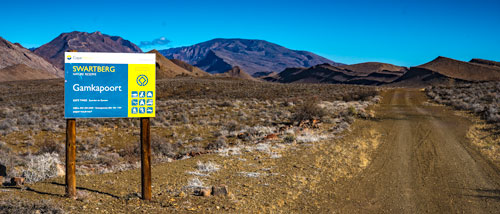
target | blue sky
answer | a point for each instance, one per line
(401, 32)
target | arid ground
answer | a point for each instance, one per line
(425, 164)
(411, 157)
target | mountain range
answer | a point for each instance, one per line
(239, 58)
(252, 56)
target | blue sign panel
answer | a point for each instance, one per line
(109, 85)
(99, 94)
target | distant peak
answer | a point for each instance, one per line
(154, 51)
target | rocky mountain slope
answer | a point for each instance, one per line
(23, 72)
(193, 69)
(236, 72)
(83, 42)
(165, 68)
(18, 63)
(443, 69)
(221, 55)
(485, 62)
(370, 73)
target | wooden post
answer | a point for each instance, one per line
(70, 158)
(145, 159)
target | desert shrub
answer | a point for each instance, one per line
(480, 98)
(217, 144)
(19, 205)
(87, 144)
(8, 125)
(10, 160)
(308, 138)
(160, 146)
(51, 146)
(130, 150)
(232, 126)
(351, 110)
(109, 159)
(194, 183)
(41, 167)
(289, 138)
(164, 148)
(207, 167)
(308, 110)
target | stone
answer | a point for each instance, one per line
(3, 170)
(61, 171)
(206, 192)
(220, 190)
(17, 181)
(271, 137)
(1, 180)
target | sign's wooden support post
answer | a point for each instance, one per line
(145, 159)
(70, 158)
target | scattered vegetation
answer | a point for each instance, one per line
(480, 98)
(308, 110)
(194, 116)
(19, 205)
(41, 167)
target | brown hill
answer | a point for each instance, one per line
(372, 67)
(165, 68)
(83, 42)
(12, 56)
(443, 69)
(370, 73)
(485, 62)
(23, 72)
(236, 72)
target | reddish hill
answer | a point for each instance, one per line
(236, 72)
(373, 67)
(83, 42)
(18, 63)
(443, 69)
(370, 73)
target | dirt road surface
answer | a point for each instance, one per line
(425, 164)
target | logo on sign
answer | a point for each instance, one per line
(142, 80)
(69, 57)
